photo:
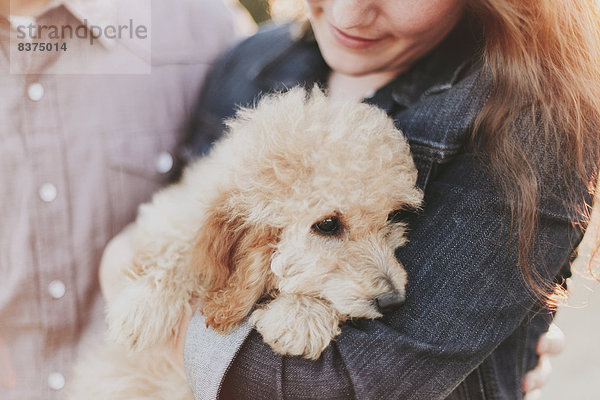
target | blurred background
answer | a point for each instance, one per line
(576, 373)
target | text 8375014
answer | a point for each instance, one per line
(43, 46)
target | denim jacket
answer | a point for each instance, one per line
(469, 326)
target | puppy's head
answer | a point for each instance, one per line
(307, 188)
(345, 257)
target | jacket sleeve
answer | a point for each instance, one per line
(465, 297)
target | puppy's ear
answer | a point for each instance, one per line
(233, 258)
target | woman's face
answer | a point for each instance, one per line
(362, 37)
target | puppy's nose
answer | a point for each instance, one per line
(388, 302)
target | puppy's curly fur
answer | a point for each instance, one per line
(291, 207)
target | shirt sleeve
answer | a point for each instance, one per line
(208, 355)
(465, 296)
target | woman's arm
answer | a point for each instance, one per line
(465, 298)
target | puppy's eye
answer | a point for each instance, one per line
(329, 226)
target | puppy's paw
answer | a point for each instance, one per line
(297, 325)
(140, 317)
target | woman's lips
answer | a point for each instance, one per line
(353, 42)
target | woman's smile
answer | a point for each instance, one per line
(354, 42)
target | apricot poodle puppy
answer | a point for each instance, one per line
(285, 221)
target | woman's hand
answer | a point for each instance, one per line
(550, 344)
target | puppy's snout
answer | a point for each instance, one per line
(388, 302)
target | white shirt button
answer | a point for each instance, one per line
(56, 381)
(164, 162)
(48, 192)
(57, 289)
(35, 91)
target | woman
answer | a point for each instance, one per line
(499, 100)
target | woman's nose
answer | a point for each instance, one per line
(348, 14)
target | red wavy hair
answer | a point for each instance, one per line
(544, 59)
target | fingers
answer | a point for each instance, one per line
(552, 342)
(537, 377)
